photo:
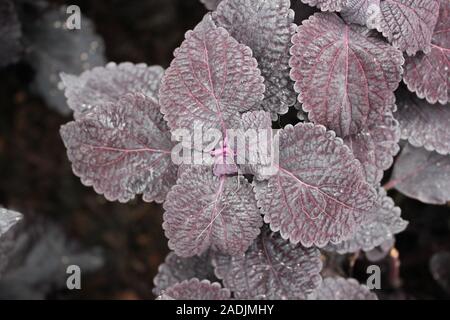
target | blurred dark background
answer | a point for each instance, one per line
(36, 178)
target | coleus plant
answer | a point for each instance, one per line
(236, 231)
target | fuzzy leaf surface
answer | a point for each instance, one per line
(344, 76)
(409, 24)
(428, 75)
(272, 268)
(383, 222)
(106, 84)
(211, 79)
(423, 124)
(122, 149)
(203, 211)
(195, 289)
(319, 194)
(177, 269)
(375, 146)
(422, 175)
(266, 27)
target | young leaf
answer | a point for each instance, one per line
(272, 268)
(10, 34)
(177, 269)
(211, 4)
(343, 75)
(422, 175)
(55, 49)
(409, 24)
(376, 146)
(107, 84)
(327, 5)
(203, 210)
(195, 289)
(8, 218)
(266, 27)
(319, 194)
(428, 74)
(423, 124)
(122, 149)
(211, 79)
(383, 222)
(343, 289)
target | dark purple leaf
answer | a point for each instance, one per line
(211, 80)
(428, 74)
(203, 210)
(195, 289)
(10, 34)
(343, 289)
(266, 27)
(422, 175)
(382, 223)
(319, 194)
(122, 149)
(55, 49)
(423, 124)
(272, 268)
(409, 24)
(345, 77)
(177, 269)
(375, 146)
(107, 84)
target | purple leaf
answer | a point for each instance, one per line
(203, 210)
(8, 219)
(363, 12)
(211, 80)
(382, 223)
(319, 194)
(211, 4)
(10, 34)
(177, 269)
(55, 49)
(428, 74)
(107, 84)
(376, 146)
(343, 289)
(122, 149)
(327, 5)
(266, 27)
(422, 175)
(344, 76)
(423, 124)
(272, 268)
(195, 289)
(409, 24)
